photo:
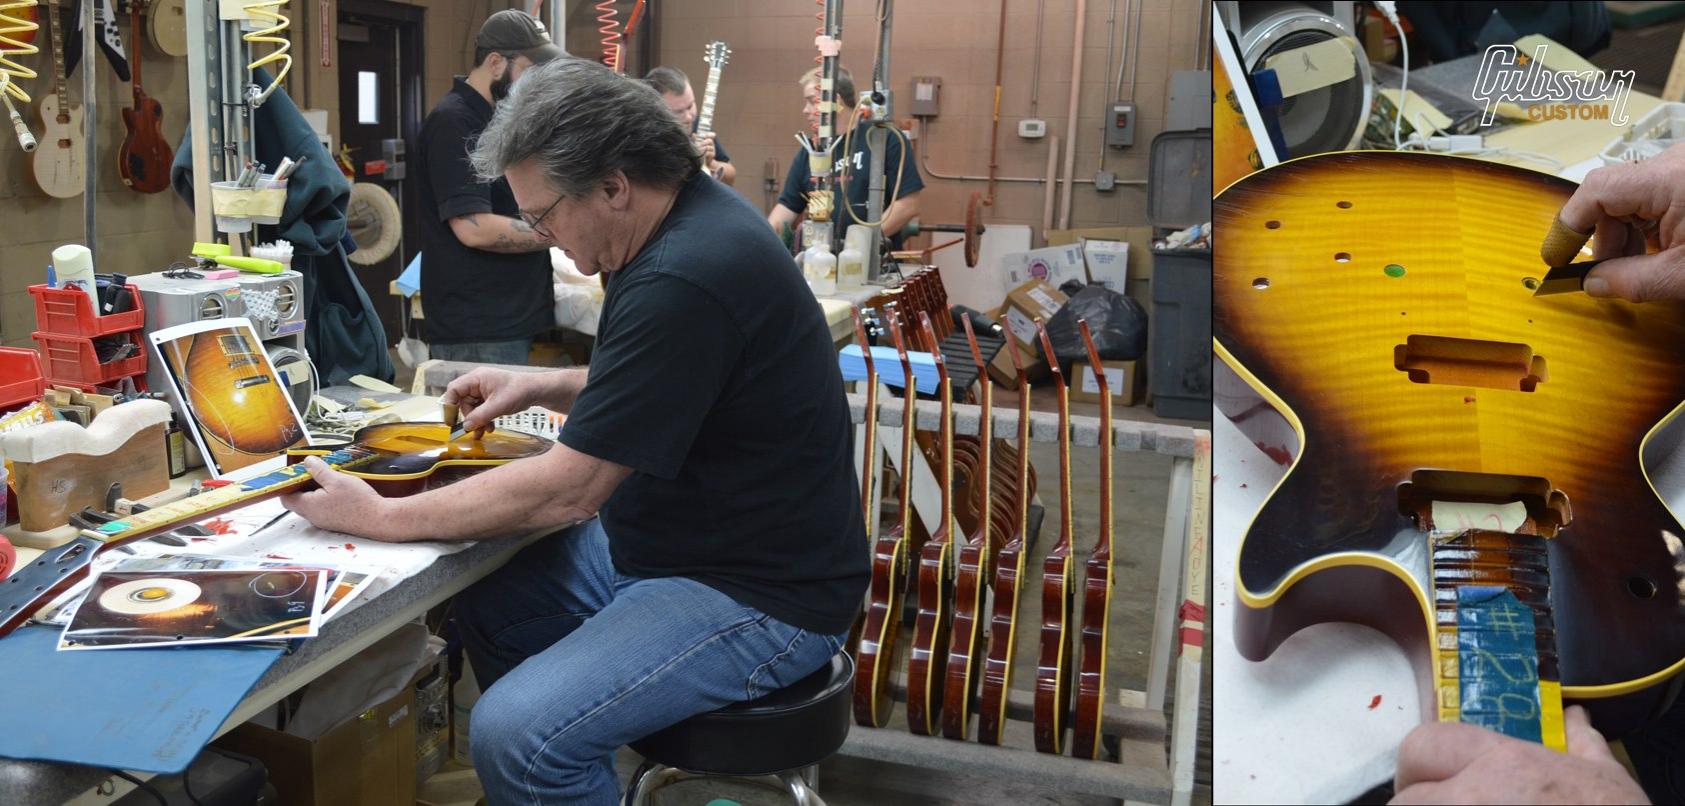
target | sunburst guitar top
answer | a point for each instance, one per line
(1468, 450)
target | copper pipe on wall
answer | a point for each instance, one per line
(1052, 183)
(1071, 114)
(994, 129)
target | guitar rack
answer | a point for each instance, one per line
(1144, 771)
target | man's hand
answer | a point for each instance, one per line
(705, 144)
(343, 503)
(486, 394)
(1451, 762)
(1634, 208)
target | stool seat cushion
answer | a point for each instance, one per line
(794, 727)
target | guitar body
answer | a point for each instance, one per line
(1053, 662)
(58, 158)
(1091, 673)
(144, 160)
(235, 401)
(1445, 378)
(927, 666)
(1003, 639)
(876, 656)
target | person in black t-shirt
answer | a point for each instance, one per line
(675, 90)
(720, 548)
(856, 168)
(485, 275)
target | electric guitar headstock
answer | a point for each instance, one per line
(716, 54)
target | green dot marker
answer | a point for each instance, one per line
(1394, 270)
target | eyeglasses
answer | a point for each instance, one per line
(532, 221)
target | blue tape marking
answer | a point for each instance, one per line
(1498, 662)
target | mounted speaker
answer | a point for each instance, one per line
(1327, 118)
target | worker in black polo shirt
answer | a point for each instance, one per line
(485, 275)
(855, 170)
(676, 91)
(720, 552)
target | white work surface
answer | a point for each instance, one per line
(1300, 726)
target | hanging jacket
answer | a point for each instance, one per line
(344, 335)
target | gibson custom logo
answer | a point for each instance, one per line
(1500, 80)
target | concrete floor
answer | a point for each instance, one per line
(1139, 488)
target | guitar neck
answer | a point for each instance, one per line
(61, 88)
(1023, 450)
(169, 516)
(134, 33)
(705, 120)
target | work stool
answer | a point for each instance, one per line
(782, 735)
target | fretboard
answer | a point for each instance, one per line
(705, 123)
(252, 489)
(1496, 637)
(60, 87)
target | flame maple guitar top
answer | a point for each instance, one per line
(1338, 270)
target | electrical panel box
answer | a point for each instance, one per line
(927, 94)
(1190, 101)
(1120, 124)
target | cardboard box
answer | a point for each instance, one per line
(1140, 240)
(1108, 263)
(1056, 265)
(367, 759)
(1024, 305)
(1123, 380)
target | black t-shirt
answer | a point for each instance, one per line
(715, 379)
(469, 294)
(859, 163)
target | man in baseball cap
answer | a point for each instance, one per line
(484, 273)
(517, 32)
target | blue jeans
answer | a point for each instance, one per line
(577, 659)
(483, 352)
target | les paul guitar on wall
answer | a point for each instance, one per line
(58, 159)
(144, 160)
(1471, 455)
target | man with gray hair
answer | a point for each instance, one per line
(719, 550)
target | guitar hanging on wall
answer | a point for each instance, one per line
(144, 160)
(58, 160)
(1469, 452)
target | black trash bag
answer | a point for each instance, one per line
(1117, 323)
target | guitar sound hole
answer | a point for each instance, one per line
(1640, 587)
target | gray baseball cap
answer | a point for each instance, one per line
(516, 31)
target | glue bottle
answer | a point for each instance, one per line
(73, 266)
(851, 264)
(821, 269)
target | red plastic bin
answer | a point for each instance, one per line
(72, 360)
(20, 377)
(67, 312)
